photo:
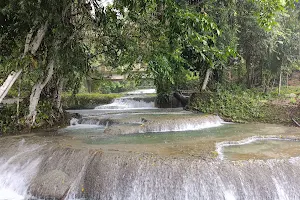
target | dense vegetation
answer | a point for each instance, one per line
(55, 46)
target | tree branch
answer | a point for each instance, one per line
(35, 44)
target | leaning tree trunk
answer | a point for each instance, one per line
(205, 82)
(36, 93)
(31, 46)
(8, 84)
(60, 84)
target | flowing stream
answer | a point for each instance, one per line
(131, 150)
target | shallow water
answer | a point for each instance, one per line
(263, 149)
(182, 143)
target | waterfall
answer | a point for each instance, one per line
(147, 178)
(137, 99)
(142, 91)
(184, 124)
(116, 126)
(127, 103)
(72, 165)
(17, 171)
(51, 171)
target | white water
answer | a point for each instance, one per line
(132, 100)
(74, 124)
(16, 173)
(143, 176)
(83, 126)
(126, 103)
(143, 91)
(186, 125)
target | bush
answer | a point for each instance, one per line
(8, 118)
(87, 100)
(107, 87)
(236, 104)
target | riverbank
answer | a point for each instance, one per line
(249, 106)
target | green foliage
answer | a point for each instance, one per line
(268, 10)
(107, 87)
(9, 120)
(236, 104)
(163, 74)
(87, 100)
(286, 91)
(293, 100)
(170, 38)
(45, 114)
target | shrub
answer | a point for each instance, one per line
(235, 104)
(87, 100)
(8, 118)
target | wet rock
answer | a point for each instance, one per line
(54, 184)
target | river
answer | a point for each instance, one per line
(131, 150)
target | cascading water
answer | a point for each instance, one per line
(184, 124)
(127, 103)
(148, 178)
(133, 100)
(17, 172)
(137, 108)
(96, 176)
(149, 154)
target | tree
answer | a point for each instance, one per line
(53, 29)
(180, 30)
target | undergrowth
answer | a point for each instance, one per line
(87, 100)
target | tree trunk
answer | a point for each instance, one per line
(205, 82)
(18, 100)
(249, 71)
(261, 73)
(279, 84)
(35, 44)
(59, 94)
(8, 84)
(89, 84)
(29, 46)
(36, 93)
